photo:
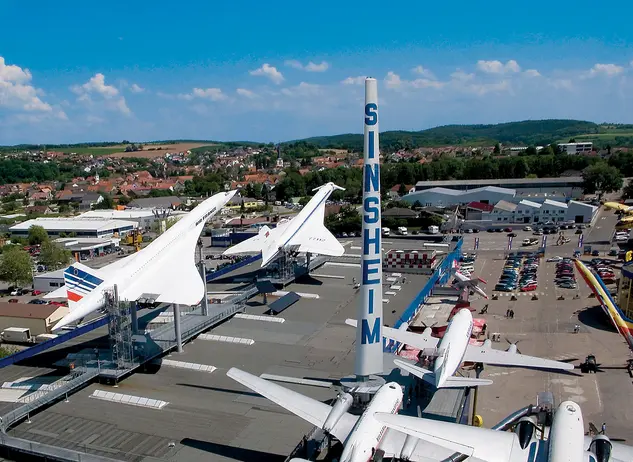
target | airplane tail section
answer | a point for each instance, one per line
(80, 280)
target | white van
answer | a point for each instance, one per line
(434, 229)
(386, 232)
(402, 231)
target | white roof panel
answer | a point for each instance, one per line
(72, 224)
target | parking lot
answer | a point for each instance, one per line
(545, 327)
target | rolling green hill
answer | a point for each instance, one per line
(529, 132)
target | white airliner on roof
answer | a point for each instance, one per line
(164, 271)
(303, 233)
(360, 435)
(454, 348)
(566, 441)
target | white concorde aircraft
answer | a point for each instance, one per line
(454, 349)
(164, 271)
(361, 435)
(566, 441)
(303, 233)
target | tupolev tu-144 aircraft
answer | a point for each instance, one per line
(164, 271)
(454, 348)
(303, 233)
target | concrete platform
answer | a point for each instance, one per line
(209, 416)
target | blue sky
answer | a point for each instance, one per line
(271, 71)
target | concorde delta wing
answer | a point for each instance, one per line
(173, 276)
(300, 405)
(505, 358)
(315, 237)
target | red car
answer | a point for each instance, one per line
(37, 292)
(529, 288)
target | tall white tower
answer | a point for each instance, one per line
(369, 349)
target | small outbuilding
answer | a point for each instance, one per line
(39, 319)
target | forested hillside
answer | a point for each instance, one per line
(528, 132)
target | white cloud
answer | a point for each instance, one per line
(303, 89)
(136, 89)
(246, 93)
(313, 67)
(561, 84)
(97, 84)
(532, 73)
(426, 83)
(461, 75)
(16, 91)
(110, 97)
(497, 67)
(606, 69)
(393, 80)
(269, 72)
(424, 72)
(294, 64)
(310, 67)
(354, 80)
(214, 94)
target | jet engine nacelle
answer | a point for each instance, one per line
(342, 405)
(512, 348)
(487, 343)
(601, 448)
(408, 448)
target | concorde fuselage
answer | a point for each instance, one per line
(149, 257)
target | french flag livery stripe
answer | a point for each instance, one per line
(79, 283)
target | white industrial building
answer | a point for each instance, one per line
(47, 282)
(84, 248)
(564, 188)
(145, 218)
(576, 148)
(532, 212)
(445, 197)
(79, 227)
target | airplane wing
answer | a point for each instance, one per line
(419, 341)
(481, 443)
(307, 408)
(395, 446)
(315, 237)
(253, 244)
(481, 354)
(174, 277)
